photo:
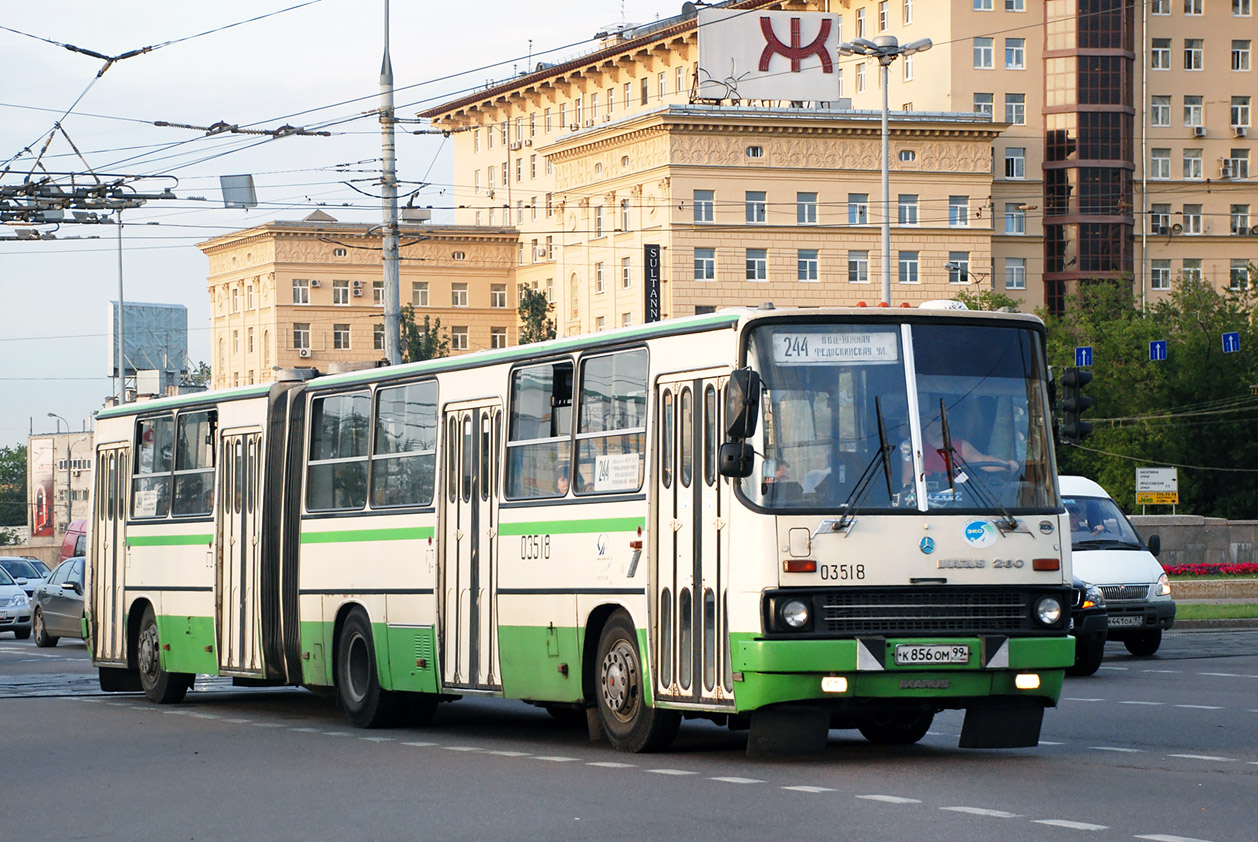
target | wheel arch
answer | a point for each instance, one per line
(595, 622)
(135, 616)
(342, 614)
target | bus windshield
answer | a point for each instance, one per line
(978, 440)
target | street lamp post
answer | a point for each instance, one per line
(67, 423)
(885, 48)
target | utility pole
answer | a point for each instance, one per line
(389, 251)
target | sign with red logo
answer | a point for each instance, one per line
(747, 54)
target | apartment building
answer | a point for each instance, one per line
(311, 293)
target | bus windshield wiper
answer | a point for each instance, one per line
(865, 482)
(980, 489)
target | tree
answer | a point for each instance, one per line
(987, 299)
(198, 375)
(422, 342)
(13, 485)
(535, 322)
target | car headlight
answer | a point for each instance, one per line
(795, 613)
(19, 600)
(1163, 587)
(1048, 610)
(1092, 597)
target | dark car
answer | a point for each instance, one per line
(1089, 623)
(58, 609)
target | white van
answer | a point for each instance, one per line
(1106, 551)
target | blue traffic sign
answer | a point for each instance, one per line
(1157, 350)
(1083, 355)
(1231, 342)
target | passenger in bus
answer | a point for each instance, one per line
(561, 480)
(777, 486)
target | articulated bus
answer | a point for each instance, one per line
(786, 521)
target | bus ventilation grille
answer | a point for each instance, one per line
(948, 610)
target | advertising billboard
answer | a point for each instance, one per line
(41, 455)
(155, 336)
(751, 54)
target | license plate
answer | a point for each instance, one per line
(1126, 621)
(911, 655)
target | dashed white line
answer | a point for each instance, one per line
(1212, 757)
(1227, 674)
(611, 764)
(556, 759)
(505, 753)
(419, 744)
(1070, 699)
(1118, 749)
(1200, 707)
(1050, 743)
(670, 772)
(336, 733)
(733, 780)
(379, 739)
(1069, 825)
(268, 725)
(1140, 702)
(205, 716)
(239, 721)
(305, 730)
(1115, 669)
(979, 811)
(889, 799)
(460, 748)
(1165, 672)
(1160, 837)
(814, 790)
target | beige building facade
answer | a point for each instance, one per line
(311, 293)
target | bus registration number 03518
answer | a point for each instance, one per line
(913, 654)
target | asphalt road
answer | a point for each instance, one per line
(1161, 749)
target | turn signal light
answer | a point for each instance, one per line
(1046, 564)
(799, 565)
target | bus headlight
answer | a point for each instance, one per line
(795, 614)
(1048, 610)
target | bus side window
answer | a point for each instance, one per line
(154, 452)
(539, 431)
(194, 463)
(611, 427)
(337, 466)
(404, 450)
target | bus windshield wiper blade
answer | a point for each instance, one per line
(863, 484)
(981, 491)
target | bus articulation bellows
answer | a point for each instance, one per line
(788, 521)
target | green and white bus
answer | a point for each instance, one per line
(786, 521)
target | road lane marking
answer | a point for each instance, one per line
(979, 811)
(1050, 743)
(733, 780)
(1161, 837)
(1070, 699)
(379, 739)
(1228, 674)
(1213, 757)
(1200, 707)
(239, 721)
(1070, 825)
(890, 799)
(306, 730)
(336, 734)
(809, 789)
(504, 753)
(1117, 748)
(460, 748)
(612, 764)
(555, 759)
(268, 725)
(1149, 704)
(669, 772)
(1116, 669)
(418, 744)
(1165, 672)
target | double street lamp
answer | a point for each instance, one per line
(885, 48)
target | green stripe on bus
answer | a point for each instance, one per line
(572, 527)
(406, 533)
(168, 540)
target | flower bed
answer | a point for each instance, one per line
(1245, 569)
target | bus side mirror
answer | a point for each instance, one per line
(736, 460)
(1154, 543)
(742, 407)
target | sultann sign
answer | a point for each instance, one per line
(767, 55)
(651, 301)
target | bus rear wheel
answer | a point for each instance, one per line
(896, 729)
(357, 685)
(160, 686)
(629, 722)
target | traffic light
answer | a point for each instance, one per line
(1073, 404)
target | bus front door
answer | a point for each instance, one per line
(237, 554)
(469, 564)
(108, 568)
(692, 542)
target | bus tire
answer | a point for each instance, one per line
(357, 685)
(629, 722)
(42, 638)
(1144, 644)
(160, 686)
(896, 729)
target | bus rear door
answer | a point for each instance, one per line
(109, 557)
(238, 552)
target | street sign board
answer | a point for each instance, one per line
(1157, 486)
(1083, 355)
(1157, 350)
(1231, 342)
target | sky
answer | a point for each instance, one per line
(255, 63)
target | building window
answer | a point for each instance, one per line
(1238, 274)
(1240, 55)
(505, 178)
(704, 206)
(1159, 163)
(1239, 215)
(1240, 8)
(497, 337)
(1160, 7)
(958, 211)
(340, 337)
(301, 292)
(458, 295)
(419, 293)
(1015, 218)
(598, 221)
(705, 264)
(1192, 219)
(235, 342)
(1192, 269)
(982, 5)
(626, 274)
(909, 267)
(377, 293)
(1193, 7)
(1192, 53)
(1192, 164)
(301, 336)
(983, 52)
(1015, 5)
(377, 337)
(1192, 111)
(907, 203)
(806, 208)
(756, 207)
(1236, 165)
(1015, 273)
(1160, 274)
(958, 267)
(458, 339)
(1160, 111)
(908, 12)
(1160, 219)
(626, 319)
(757, 264)
(680, 82)
(858, 267)
(1015, 54)
(1160, 55)
(1240, 111)
(907, 61)
(807, 267)
(645, 90)
(1015, 109)
(1015, 162)
(235, 300)
(857, 208)
(860, 78)
(624, 215)
(600, 323)
(340, 292)
(498, 295)
(985, 104)
(860, 23)
(599, 283)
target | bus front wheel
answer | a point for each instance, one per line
(629, 722)
(357, 685)
(160, 686)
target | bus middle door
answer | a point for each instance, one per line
(238, 551)
(106, 577)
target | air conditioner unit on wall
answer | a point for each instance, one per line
(304, 353)
(1241, 131)
(315, 283)
(358, 284)
(1225, 170)
(1198, 131)
(515, 147)
(357, 292)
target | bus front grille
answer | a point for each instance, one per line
(902, 611)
